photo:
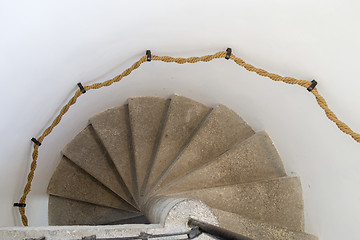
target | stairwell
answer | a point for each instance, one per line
(138, 165)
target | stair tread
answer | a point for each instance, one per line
(220, 131)
(275, 201)
(254, 159)
(146, 115)
(85, 151)
(113, 130)
(72, 182)
(141, 219)
(183, 118)
(256, 229)
(64, 211)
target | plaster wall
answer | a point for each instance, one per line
(46, 47)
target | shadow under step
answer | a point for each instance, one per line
(146, 120)
(85, 151)
(183, 118)
(134, 220)
(254, 159)
(113, 130)
(64, 211)
(220, 131)
(72, 182)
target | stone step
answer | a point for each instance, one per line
(72, 182)
(86, 152)
(183, 118)
(134, 220)
(252, 160)
(113, 129)
(220, 131)
(64, 211)
(277, 201)
(256, 229)
(146, 119)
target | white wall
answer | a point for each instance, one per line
(46, 47)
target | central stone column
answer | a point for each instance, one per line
(175, 212)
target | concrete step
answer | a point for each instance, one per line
(257, 230)
(113, 129)
(134, 220)
(183, 118)
(277, 201)
(252, 160)
(220, 131)
(85, 151)
(146, 119)
(64, 211)
(72, 182)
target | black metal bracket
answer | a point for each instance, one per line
(36, 141)
(312, 86)
(19, 204)
(148, 55)
(82, 89)
(228, 53)
(194, 233)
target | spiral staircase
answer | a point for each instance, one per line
(116, 169)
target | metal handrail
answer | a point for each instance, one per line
(197, 228)
(216, 231)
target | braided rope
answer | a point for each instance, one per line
(275, 77)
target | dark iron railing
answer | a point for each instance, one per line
(215, 231)
(197, 228)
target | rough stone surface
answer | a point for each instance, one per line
(146, 119)
(174, 213)
(257, 230)
(78, 232)
(85, 151)
(70, 181)
(252, 160)
(64, 211)
(112, 127)
(208, 157)
(222, 129)
(277, 201)
(183, 118)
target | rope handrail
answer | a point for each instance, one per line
(223, 54)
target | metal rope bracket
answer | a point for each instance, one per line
(82, 89)
(228, 53)
(36, 141)
(312, 86)
(19, 204)
(148, 55)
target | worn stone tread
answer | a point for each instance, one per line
(220, 131)
(87, 153)
(254, 159)
(183, 118)
(146, 117)
(64, 211)
(256, 229)
(141, 219)
(277, 201)
(72, 182)
(112, 127)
